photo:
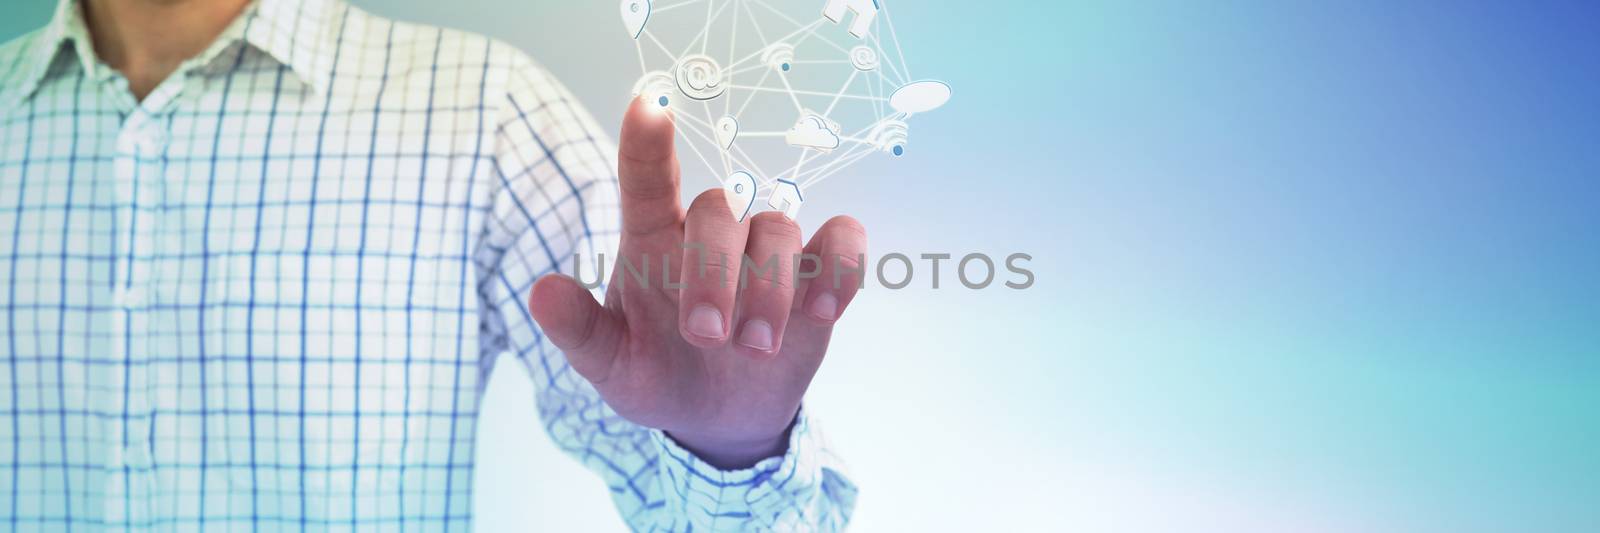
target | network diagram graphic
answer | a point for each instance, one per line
(775, 99)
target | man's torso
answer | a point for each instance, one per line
(252, 299)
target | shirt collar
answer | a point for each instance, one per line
(39, 51)
(298, 33)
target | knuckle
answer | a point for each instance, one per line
(644, 142)
(716, 264)
(847, 225)
(772, 275)
(722, 274)
(849, 262)
(711, 224)
(647, 182)
(712, 201)
(773, 227)
(643, 152)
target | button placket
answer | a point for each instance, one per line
(139, 171)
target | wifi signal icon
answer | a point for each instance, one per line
(656, 86)
(779, 56)
(891, 136)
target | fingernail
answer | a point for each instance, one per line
(756, 335)
(706, 321)
(825, 307)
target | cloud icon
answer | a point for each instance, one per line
(813, 131)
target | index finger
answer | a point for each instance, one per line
(647, 167)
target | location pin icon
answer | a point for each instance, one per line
(727, 131)
(740, 188)
(634, 14)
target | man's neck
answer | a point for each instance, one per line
(146, 40)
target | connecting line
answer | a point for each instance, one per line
(836, 97)
(814, 178)
(843, 164)
(797, 164)
(868, 128)
(711, 16)
(803, 37)
(749, 162)
(742, 158)
(639, 49)
(872, 89)
(761, 33)
(733, 40)
(752, 95)
(663, 47)
(809, 27)
(793, 92)
(747, 70)
(662, 9)
(696, 149)
(785, 79)
(850, 152)
(849, 156)
(727, 166)
(807, 155)
(884, 87)
(889, 63)
(855, 152)
(778, 134)
(757, 54)
(896, 38)
(704, 37)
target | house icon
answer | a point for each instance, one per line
(865, 10)
(786, 197)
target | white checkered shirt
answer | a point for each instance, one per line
(268, 295)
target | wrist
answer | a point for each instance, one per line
(732, 452)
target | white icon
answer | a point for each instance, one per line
(655, 86)
(865, 11)
(920, 97)
(864, 58)
(814, 132)
(786, 197)
(700, 78)
(740, 188)
(634, 14)
(777, 100)
(727, 131)
(890, 136)
(778, 56)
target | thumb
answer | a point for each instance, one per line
(584, 330)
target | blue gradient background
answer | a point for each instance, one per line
(1302, 266)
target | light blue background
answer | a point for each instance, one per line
(1302, 266)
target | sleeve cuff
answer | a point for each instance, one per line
(772, 492)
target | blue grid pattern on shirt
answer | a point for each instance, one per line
(268, 295)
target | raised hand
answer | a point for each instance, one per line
(721, 368)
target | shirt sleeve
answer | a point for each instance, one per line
(555, 208)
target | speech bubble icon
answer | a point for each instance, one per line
(634, 14)
(727, 131)
(740, 188)
(920, 97)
